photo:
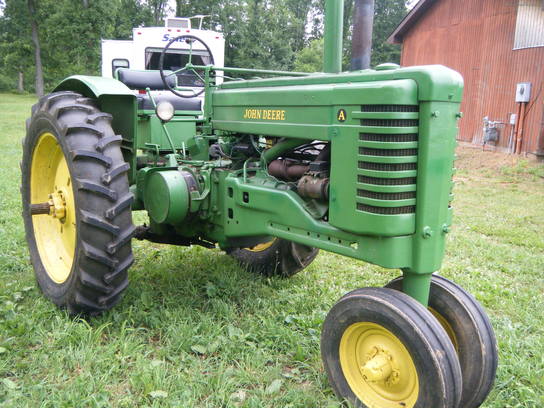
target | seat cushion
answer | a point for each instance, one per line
(180, 104)
(135, 79)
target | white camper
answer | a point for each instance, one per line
(144, 50)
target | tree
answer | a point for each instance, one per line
(129, 14)
(47, 40)
(264, 43)
(16, 50)
(310, 59)
(159, 9)
(387, 16)
(33, 18)
(258, 33)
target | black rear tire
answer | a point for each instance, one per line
(278, 257)
(471, 332)
(99, 184)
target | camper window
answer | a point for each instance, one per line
(177, 59)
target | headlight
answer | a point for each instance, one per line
(165, 111)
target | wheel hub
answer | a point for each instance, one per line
(57, 206)
(380, 367)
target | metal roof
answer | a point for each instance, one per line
(411, 18)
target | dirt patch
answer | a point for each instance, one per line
(473, 163)
(474, 158)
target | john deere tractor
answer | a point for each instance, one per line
(271, 170)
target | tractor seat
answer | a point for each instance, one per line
(136, 79)
(180, 104)
(141, 80)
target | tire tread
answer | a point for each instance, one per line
(103, 253)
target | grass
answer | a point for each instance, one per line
(194, 330)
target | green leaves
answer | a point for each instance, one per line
(310, 59)
(271, 34)
(70, 35)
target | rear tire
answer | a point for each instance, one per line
(278, 257)
(68, 131)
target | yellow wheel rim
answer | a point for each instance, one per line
(55, 234)
(447, 326)
(262, 247)
(378, 367)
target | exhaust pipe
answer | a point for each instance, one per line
(363, 20)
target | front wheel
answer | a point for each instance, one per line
(382, 349)
(470, 330)
(76, 204)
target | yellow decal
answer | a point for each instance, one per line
(264, 114)
(341, 115)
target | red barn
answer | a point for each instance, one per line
(498, 47)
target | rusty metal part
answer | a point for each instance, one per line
(55, 207)
(313, 187)
(287, 169)
(521, 125)
(363, 20)
(40, 209)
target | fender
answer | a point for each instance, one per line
(114, 98)
(94, 86)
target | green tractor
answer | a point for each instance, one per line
(271, 170)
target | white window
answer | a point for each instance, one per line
(529, 24)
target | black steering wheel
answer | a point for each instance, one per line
(189, 39)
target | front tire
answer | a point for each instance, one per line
(470, 330)
(382, 349)
(72, 162)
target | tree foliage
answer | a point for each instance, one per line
(274, 34)
(310, 58)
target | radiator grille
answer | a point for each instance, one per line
(387, 210)
(387, 160)
(386, 181)
(390, 122)
(387, 152)
(387, 166)
(386, 196)
(378, 137)
(390, 108)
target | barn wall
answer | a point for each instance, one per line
(476, 38)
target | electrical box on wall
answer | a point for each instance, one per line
(523, 92)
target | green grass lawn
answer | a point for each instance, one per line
(194, 330)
